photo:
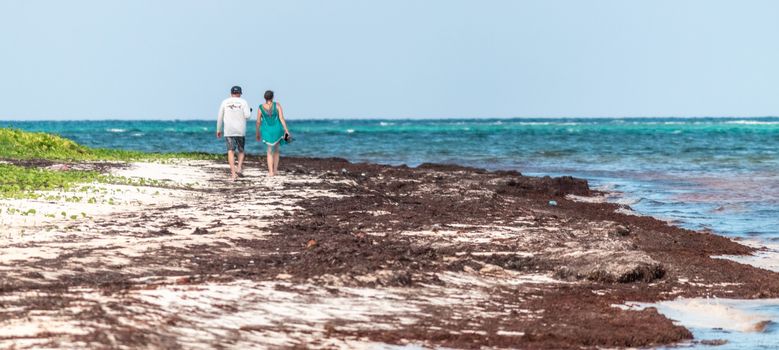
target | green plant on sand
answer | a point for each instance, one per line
(22, 181)
(18, 144)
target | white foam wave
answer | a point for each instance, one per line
(728, 314)
(350, 131)
(751, 122)
(626, 211)
(608, 187)
(117, 130)
(386, 123)
(585, 199)
(766, 257)
(550, 123)
(535, 123)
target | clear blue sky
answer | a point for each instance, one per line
(144, 59)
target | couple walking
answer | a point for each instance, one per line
(271, 129)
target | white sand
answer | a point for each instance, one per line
(116, 232)
(206, 314)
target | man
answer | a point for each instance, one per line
(234, 112)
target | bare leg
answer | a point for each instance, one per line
(270, 161)
(231, 160)
(240, 162)
(276, 154)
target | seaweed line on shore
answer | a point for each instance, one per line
(336, 254)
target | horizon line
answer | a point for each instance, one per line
(46, 119)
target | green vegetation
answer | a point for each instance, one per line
(17, 144)
(22, 182)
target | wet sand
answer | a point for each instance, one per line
(341, 255)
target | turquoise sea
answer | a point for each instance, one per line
(702, 173)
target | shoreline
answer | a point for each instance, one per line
(438, 255)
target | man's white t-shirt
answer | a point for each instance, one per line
(234, 111)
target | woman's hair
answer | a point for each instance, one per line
(268, 95)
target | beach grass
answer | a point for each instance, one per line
(18, 144)
(23, 181)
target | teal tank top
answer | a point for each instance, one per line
(270, 126)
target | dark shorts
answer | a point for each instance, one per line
(234, 142)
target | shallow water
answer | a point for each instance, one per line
(744, 324)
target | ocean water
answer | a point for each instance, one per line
(700, 173)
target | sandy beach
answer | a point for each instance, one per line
(339, 255)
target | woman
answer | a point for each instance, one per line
(273, 128)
